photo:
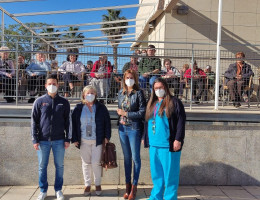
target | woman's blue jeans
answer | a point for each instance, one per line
(58, 150)
(130, 140)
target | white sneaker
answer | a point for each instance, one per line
(59, 195)
(42, 196)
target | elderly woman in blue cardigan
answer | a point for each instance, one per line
(164, 134)
(90, 127)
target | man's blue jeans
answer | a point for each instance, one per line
(130, 140)
(143, 81)
(58, 150)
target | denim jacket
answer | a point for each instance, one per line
(137, 108)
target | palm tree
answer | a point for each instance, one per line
(74, 35)
(113, 15)
(49, 48)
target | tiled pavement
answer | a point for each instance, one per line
(74, 192)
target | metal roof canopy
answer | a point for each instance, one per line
(89, 30)
(13, 16)
(81, 10)
(88, 24)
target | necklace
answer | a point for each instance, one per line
(154, 116)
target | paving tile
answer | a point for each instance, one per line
(187, 193)
(4, 189)
(209, 190)
(20, 192)
(253, 190)
(237, 193)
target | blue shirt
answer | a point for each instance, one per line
(39, 68)
(160, 133)
(87, 118)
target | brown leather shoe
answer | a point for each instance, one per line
(98, 190)
(133, 193)
(127, 190)
(87, 190)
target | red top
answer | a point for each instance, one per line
(97, 65)
(199, 72)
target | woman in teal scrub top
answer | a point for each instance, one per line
(164, 135)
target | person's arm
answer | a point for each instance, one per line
(181, 120)
(230, 72)
(187, 74)
(62, 68)
(248, 73)
(142, 107)
(107, 124)
(29, 68)
(92, 73)
(11, 65)
(202, 74)
(68, 125)
(109, 70)
(35, 122)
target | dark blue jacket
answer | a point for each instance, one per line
(176, 124)
(102, 120)
(50, 119)
(137, 108)
(246, 72)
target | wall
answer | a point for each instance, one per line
(215, 153)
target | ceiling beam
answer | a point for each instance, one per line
(89, 30)
(82, 10)
(88, 24)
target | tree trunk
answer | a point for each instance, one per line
(115, 55)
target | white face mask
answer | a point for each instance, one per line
(52, 89)
(90, 98)
(129, 82)
(160, 92)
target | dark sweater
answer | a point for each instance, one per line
(102, 120)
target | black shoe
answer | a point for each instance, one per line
(238, 105)
(234, 104)
(196, 100)
(31, 100)
(10, 100)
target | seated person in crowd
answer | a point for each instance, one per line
(133, 64)
(237, 78)
(88, 69)
(89, 66)
(22, 78)
(198, 82)
(54, 66)
(37, 72)
(211, 76)
(72, 71)
(7, 75)
(100, 74)
(185, 67)
(148, 68)
(172, 76)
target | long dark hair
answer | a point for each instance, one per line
(166, 105)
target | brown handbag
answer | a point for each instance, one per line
(108, 160)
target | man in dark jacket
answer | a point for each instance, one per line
(237, 77)
(51, 130)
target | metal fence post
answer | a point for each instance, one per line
(191, 79)
(3, 28)
(17, 74)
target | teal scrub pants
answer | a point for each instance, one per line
(165, 171)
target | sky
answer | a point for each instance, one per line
(70, 18)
